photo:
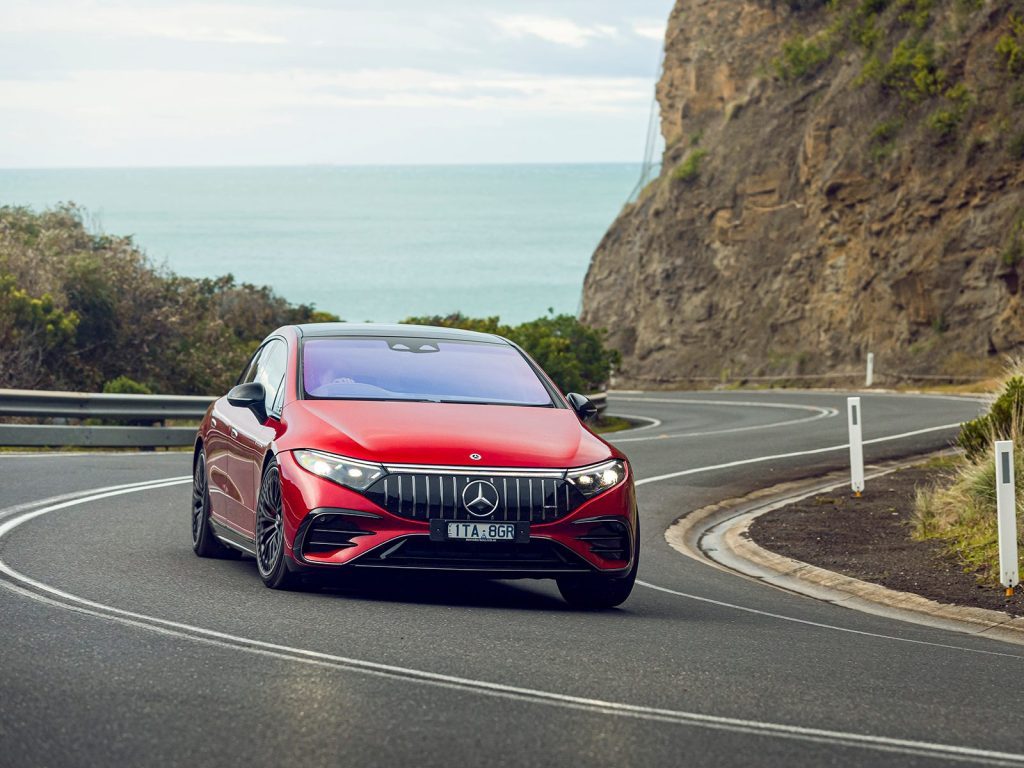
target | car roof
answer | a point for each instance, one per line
(335, 330)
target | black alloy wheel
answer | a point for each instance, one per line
(204, 542)
(270, 558)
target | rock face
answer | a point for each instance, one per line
(828, 217)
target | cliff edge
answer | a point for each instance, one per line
(838, 178)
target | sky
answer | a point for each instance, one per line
(95, 84)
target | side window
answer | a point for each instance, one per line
(270, 370)
(249, 373)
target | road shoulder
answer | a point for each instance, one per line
(720, 535)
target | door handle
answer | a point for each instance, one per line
(234, 432)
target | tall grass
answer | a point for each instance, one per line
(960, 510)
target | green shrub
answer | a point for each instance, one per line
(1010, 46)
(945, 122)
(1000, 423)
(689, 169)
(801, 58)
(122, 385)
(573, 354)
(1013, 251)
(912, 71)
(105, 311)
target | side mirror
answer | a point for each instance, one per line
(252, 396)
(585, 409)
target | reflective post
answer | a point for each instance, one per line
(869, 376)
(1006, 508)
(856, 445)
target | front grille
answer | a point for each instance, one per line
(539, 556)
(428, 496)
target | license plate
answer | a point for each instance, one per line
(482, 531)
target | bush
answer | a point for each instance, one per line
(689, 169)
(572, 353)
(801, 58)
(122, 385)
(912, 72)
(1010, 46)
(1000, 423)
(78, 311)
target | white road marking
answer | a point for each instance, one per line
(791, 454)
(778, 730)
(59, 598)
(819, 412)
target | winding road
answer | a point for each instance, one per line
(119, 646)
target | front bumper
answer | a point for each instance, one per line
(327, 525)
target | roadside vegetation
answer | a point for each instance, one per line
(960, 510)
(573, 354)
(92, 312)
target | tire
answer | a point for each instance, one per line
(204, 542)
(594, 591)
(271, 561)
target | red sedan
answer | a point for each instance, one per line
(408, 447)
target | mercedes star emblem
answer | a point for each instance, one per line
(480, 498)
(475, 456)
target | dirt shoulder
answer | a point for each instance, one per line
(869, 539)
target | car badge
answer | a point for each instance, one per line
(480, 498)
(475, 456)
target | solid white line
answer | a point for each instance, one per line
(652, 423)
(792, 454)
(822, 625)
(819, 413)
(58, 597)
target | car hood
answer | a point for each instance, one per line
(443, 433)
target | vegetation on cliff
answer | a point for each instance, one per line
(839, 177)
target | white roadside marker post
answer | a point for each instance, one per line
(869, 377)
(1006, 506)
(856, 445)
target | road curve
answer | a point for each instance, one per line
(120, 646)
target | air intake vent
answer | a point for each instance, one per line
(608, 539)
(327, 533)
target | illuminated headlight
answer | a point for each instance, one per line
(591, 481)
(357, 475)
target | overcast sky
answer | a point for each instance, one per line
(392, 81)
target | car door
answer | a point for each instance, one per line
(221, 446)
(251, 437)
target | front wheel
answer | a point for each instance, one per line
(204, 542)
(595, 591)
(270, 556)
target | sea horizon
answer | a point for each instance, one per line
(373, 242)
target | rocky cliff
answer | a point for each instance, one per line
(838, 178)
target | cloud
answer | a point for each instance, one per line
(554, 30)
(189, 22)
(652, 30)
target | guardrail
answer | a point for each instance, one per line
(147, 415)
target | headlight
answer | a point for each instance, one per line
(591, 481)
(357, 475)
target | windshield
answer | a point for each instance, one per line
(419, 369)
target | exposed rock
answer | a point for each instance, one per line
(803, 244)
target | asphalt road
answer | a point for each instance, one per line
(119, 646)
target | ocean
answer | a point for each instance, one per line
(367, 243)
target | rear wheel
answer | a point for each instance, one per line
(595, 591)
(270, 556)
(204, 542)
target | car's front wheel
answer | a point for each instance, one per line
(270, 556)
(204, 542)
(596, 591)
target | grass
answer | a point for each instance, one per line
(960, 510)
(689, 169)
(606, 424)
